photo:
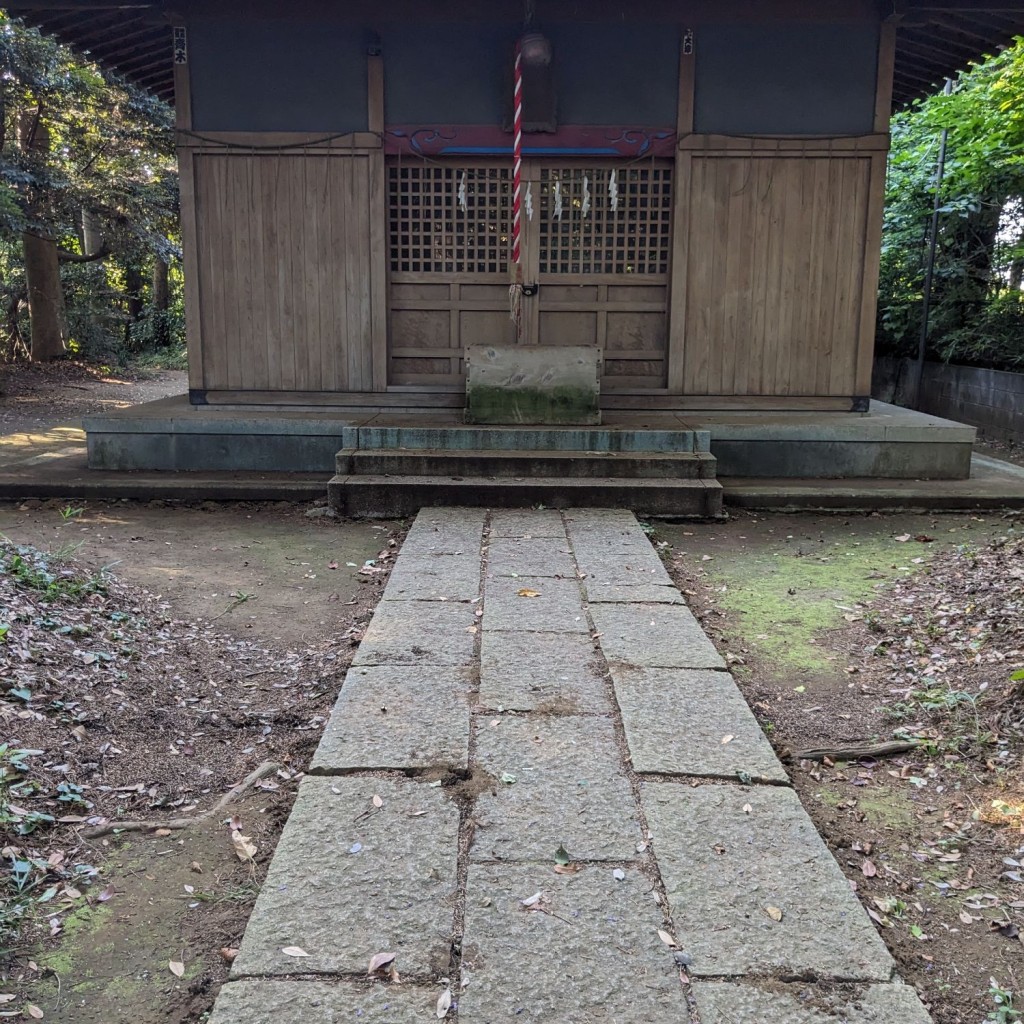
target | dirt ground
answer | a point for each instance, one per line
(216, 642)
(37, 396)
(820, 618)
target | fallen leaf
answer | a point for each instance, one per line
(444, 1002)
(527, 592)
(532, 901)
(727, 739)
(7, 997)
(619, 875)
(380, 961)
(966, 918)
(377, 802)
(667, 939)
(33, 1011)
(332, 565)
(293, 951)
(902, 538)
(747, 809)
(868, 868)
(176, 967)
(774, 913)
(508, 778)
(107, 893)
(245, 848)
(163, 832)
(228, 953)
(562, 855)
(567, 869)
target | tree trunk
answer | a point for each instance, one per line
(133, 290)
(1017, 274)
(91, 237)
(45, 298)
(161, 301)
(42, 265)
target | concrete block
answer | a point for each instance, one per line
(267, 1001)
(418, 633)
(808, 1003)
(542, 384)
(724, 866)
(653, 636)
(606, 964)
(397, 717)
(434, 578)
(685, 722)
(345, 884)
(559, 673)
(539, 556)
(557, 608)
(562, 787)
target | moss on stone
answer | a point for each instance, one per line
(509, 405)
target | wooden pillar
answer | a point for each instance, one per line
(187, 203)
(380, 263)
(875, 213)
(680, 219)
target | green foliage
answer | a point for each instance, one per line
(87, 160)
(977, 313)
(1004, 1013)
(33, 570)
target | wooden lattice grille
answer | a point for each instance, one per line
(449, 220)
(580, 232)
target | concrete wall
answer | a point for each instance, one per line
(992, 400)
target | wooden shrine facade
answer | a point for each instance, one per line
(704, 190)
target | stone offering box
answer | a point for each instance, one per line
(533, 384)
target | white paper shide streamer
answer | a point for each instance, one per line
(613, 190)
(585, 209)
(463, 196)
(556, 199)
(528, 200)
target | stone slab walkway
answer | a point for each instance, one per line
(532, 689)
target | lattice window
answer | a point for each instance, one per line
(590, 237)
(434, 231)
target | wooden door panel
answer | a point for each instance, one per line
(597, 245)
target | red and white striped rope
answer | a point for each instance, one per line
(517, 155)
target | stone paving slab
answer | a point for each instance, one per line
(807, 1004)
(344, 889)
(579, 521)
(772, 856)
(397, 717)
(558, 609)
(434, 578)
(600, 592)
(655, 636)
(569, 791)
(560, 673)
(620, 565)
(418, 633)
(527, 523)
(446, 531)
(539, 556)
(599, 959)
(688, 722)
(264, 1001)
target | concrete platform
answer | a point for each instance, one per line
(887, 442)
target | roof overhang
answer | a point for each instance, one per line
(934, 38)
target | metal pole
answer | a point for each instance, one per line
(929, 274)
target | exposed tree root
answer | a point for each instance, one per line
(233, 794)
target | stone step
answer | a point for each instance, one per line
(526, 439)
(504, 464)
(377, 496)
